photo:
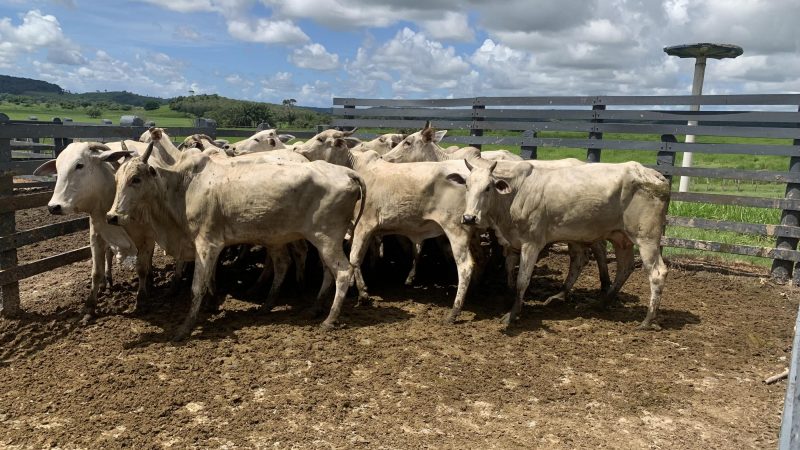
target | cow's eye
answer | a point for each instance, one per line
(78, 166)
(136, 180)
(320, 139)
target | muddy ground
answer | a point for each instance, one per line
(395, 376)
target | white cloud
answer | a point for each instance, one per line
(185, 33)
(314, 56)
(452, 26)
(155, 74)
(267, 31)
(36, 32)
(318, 93)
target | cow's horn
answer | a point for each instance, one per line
(492, 166)
(348, 133)
(148, 152)
(469, 166)
(98, 147)
(427, 125)
(124, 147)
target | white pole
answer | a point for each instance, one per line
(697, 89)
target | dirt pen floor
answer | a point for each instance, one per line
(395, 376)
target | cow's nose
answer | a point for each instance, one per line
(468, 219)
(112, 219)
(55, 209)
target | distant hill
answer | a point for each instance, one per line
(19, 86)
(225, 110)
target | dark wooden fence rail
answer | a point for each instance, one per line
(19, 196)
(521, 121)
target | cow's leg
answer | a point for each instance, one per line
(298, 250)
(528, 256)
(98, 247)
(416, 254)
(319, 303)
(599, 251)
(144, 262)
(623, 249)
(177, 277)
(375, 252)
(361, 239)
(657, 272)
(331, 253)
(577, 261)
(512, 260)
(205, 264)
(266, 272)
(109, 272)
(465, 264)
(281, 260)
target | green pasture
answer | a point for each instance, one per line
(164, 117)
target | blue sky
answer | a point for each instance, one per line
(313, 50)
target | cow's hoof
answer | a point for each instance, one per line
(87, 319)
(364, 301)
(450, 318)
(506, 320)
(410, 281)
(652, 326)
(181, 334)
(328, 326)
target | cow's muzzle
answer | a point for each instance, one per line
(55, 210)
(469, 219)
(112, 219)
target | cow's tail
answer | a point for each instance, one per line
(362, 195)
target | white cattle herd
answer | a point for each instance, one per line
(195, 199)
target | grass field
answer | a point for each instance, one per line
(164, 117)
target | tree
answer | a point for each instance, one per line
(94, 112)
(151, 105)
(243, 114)
(288, 106)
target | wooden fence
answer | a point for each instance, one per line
(533, 123)
(15, 196)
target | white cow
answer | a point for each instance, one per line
(424, 146)
(262, 141)
(242, 202)
(85, 184)
(278, 259)
(382, 144)
(624, 203)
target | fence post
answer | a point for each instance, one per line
(666, 157)
(212, 130)
(593, 154)
(474, 131)
(9, 293)
(782, 270)
(528, 151)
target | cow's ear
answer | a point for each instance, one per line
(113, 155)
(272, 142)
(352, 142)
(285, 137)
(456, 178)
(47, 169)
(502, 187)
(439, 135)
